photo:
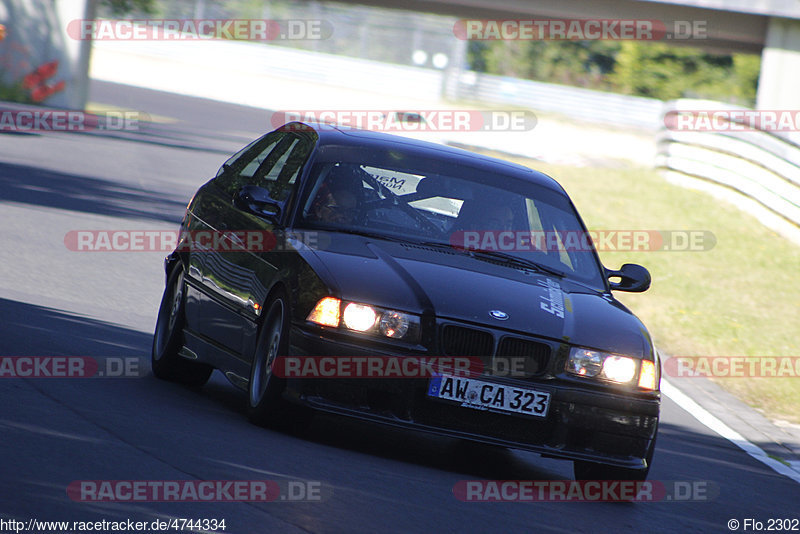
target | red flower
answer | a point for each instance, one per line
(42, 72)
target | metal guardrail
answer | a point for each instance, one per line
(313, 67)
(763, 166)
(424, 84)
(584, 104)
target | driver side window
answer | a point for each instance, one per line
(274, 163)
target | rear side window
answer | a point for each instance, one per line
(249, 170)
(272, 162)
(242, 166)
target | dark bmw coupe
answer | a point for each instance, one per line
(413, 284)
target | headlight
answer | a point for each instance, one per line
(619, 369)
(366, 319)
(359, 317)
(394, 324)
(583, 362)
(611, 367)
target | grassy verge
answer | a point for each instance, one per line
(740, 298)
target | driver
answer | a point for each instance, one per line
(485, 216)
(337, 199)
(499, 217)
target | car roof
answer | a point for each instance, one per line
(330, 134)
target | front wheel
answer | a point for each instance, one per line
(266, 406)
(165, 359)
(264, 396)
(592, 471)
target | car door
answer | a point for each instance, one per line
(197, 242)
(240, 267)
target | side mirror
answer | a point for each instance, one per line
(633, 278)
(256, 200)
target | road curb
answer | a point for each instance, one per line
(778, 441)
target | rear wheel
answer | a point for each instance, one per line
(168, 339)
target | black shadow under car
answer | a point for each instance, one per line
(321, 262)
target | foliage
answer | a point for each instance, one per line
(581, 63)
(118, 8)
(13, 91)
(655, 70)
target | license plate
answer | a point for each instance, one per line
(481, 395)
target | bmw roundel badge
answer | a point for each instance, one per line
(499, 315)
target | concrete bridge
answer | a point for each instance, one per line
(769, 27)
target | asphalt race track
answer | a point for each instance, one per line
(59, 302)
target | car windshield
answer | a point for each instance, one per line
(489, 215)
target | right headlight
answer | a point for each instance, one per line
(612, 367)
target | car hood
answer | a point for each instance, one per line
(455, 286)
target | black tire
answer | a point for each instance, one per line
(594, 471)
(165, 361)
(264, 400)
(265, 403)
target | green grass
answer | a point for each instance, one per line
(14, 93)
(741, 298)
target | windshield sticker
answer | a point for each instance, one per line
(553, 302)
(399, 183)
(392, 182)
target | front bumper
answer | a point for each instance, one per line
(581, 424)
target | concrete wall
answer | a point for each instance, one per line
(779, 83)
(36, 35)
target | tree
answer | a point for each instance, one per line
(123, 7)
(656, 70)
(667, 72)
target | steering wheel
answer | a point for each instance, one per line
(394, 203)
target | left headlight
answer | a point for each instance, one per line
(612, 367)
(367, 319)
